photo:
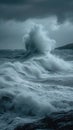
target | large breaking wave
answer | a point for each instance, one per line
(37, 91)
(37, 42)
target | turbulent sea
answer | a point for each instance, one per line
(36, 87)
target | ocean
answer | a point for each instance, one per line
(36, 86)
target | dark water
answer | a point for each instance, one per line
(36, 90)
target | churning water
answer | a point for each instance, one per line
(36, 85)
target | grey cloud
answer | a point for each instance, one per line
(23, 9)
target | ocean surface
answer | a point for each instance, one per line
(36, 87)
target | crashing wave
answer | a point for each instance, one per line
(37, 42)
(36, 93)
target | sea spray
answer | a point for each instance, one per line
(38, 41)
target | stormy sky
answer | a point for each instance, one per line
(15, 15)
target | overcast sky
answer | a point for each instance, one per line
(16, 15)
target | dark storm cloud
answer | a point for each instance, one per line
(14, 1)
(22, 9)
